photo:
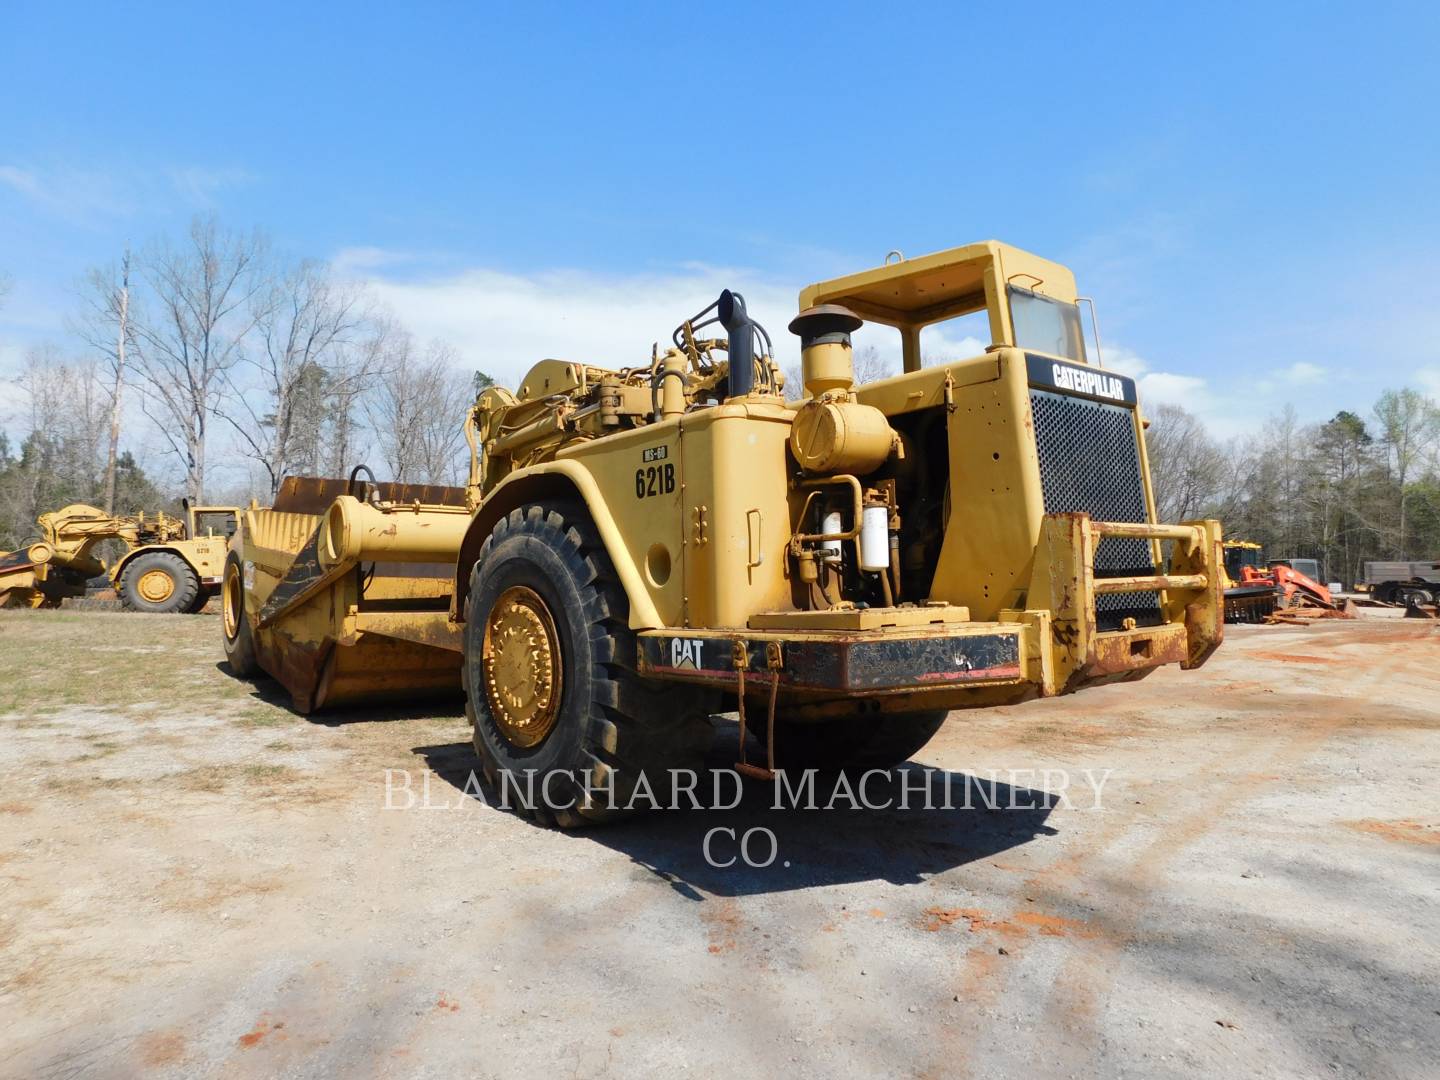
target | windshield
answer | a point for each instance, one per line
(215, 524)
(1045, 325)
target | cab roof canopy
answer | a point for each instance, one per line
(913, 293)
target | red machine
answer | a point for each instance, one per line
(1292, 588)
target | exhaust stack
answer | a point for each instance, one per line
(741, 349)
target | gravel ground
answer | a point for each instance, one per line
(194, 881)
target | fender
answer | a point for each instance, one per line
(539, 483)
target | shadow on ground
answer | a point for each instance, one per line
(263, 688)
(926, 821)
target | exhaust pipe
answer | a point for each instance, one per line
(741, 349)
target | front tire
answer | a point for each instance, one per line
(565, 729)
(158, 584)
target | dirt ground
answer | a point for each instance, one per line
(194, 881)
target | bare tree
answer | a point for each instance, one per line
(416, 411)
(1408, 427)
(1280, 473)
(870, 365)
(202, 295)
(301, 322)
(1187, 468)
(60, 452)
(352, 375)
(106, 326)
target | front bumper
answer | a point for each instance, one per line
(853, 663)
(1051, 647)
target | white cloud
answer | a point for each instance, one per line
(1428, 379)
(1301, 374)
(358, 262)
(1156, 386)
(67, 194)
(1223, 413)
(1187, 390)
(1118, 358)
(199, 185)
(83, 196)
(502, 323)
(22, 180)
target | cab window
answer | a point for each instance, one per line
(1046, 326)
(216, 524)
(962, 337)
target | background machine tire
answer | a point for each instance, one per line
(870, 741)
(550, 680)
(159, 584)
(234, 626)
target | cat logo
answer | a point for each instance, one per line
(1094, 383)
(685, 653)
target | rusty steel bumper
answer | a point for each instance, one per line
(1049, 647)
(853, 664)
(1063, 588)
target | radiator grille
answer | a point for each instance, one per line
(1090, 463)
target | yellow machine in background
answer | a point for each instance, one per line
(640, 548)
(170, 565)
(1246, 601)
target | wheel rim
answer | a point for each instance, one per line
(155, 586)
(521, 666)
(230, 604)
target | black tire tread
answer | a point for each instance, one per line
(187, 584)
(239, 653)
(632, 726)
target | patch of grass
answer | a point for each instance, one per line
(67, 784)
(266, 773)
(207, 778)
(26, 722)
(218, 778)
(261, 716)
(100, 748)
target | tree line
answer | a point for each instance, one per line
(1354, 488)
(214, 339)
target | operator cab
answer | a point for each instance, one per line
(1026, 301)
(1309, 567)
(209, 521)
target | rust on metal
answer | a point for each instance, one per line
(1150, 583)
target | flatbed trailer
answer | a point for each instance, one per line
(1399, 582)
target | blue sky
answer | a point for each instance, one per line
(1248, 191)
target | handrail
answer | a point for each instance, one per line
(1189, 535)
(1149, 583)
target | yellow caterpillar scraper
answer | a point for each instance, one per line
(640, 547)
(170, 564)
(344, 600)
